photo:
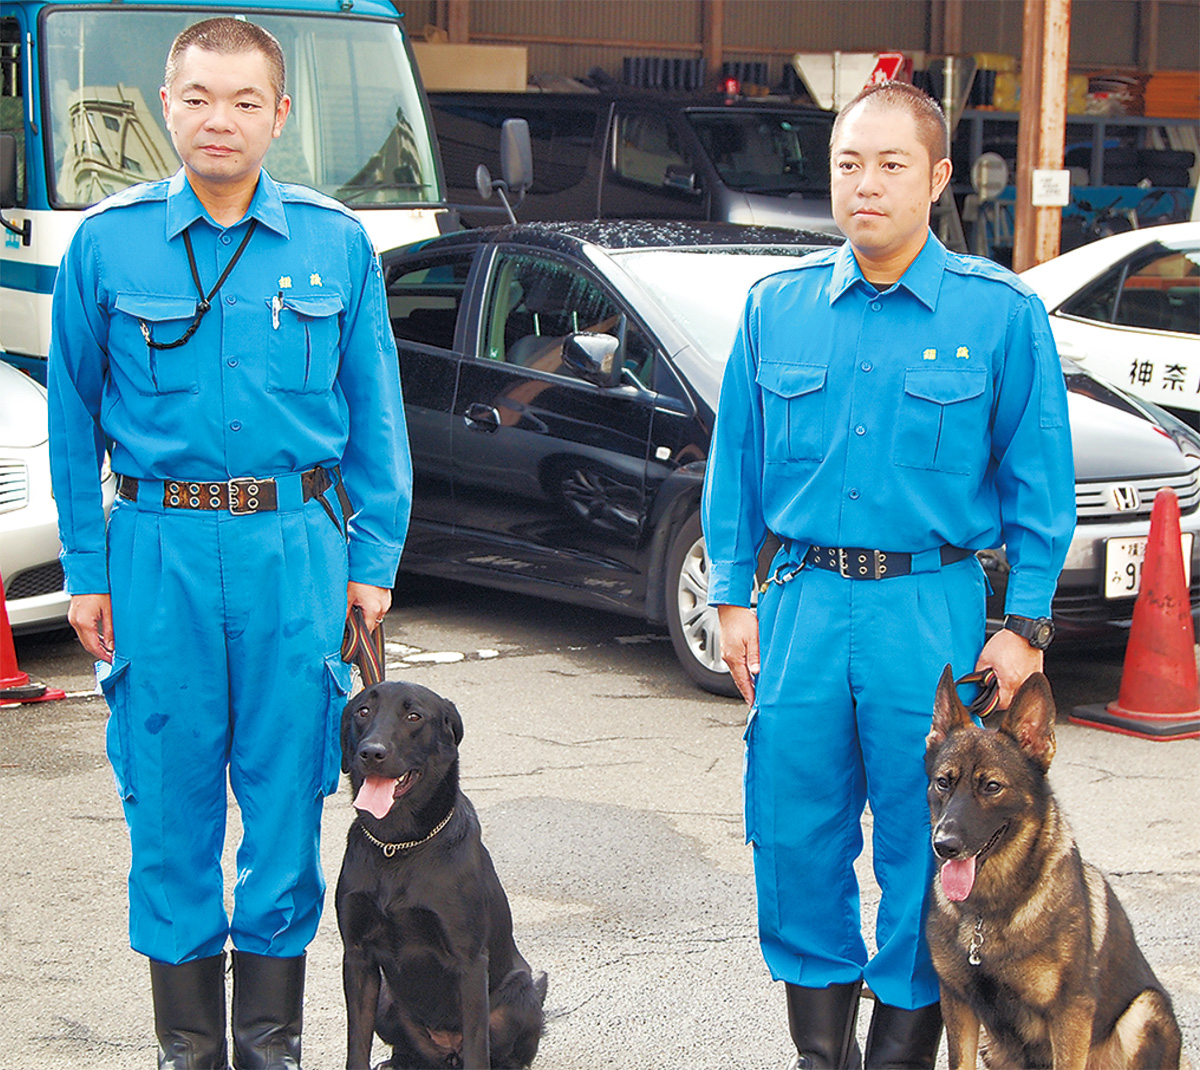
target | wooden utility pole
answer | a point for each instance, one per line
(458, 21)
(1042, 133)
(714, 37)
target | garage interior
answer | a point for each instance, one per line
(1106, 92)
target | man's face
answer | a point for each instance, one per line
(882, 183)
(221, 114)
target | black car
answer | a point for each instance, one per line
(560, 382)
(621, 154)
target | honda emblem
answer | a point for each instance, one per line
(1124, 498)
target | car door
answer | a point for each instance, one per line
(1138, 325)
(549, 470)
(425, 296)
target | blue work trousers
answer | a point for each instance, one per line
(227, 636)
(844, 702)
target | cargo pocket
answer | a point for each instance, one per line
(329, 748)
(156, 371)
(793, 411)
(303, 344)
(941, 414)
(118, 743)
(749, 795)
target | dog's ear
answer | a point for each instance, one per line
(948, 711)
(453, 719)
(1030, 720)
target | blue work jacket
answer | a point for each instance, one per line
(932, 413)
(294, 365)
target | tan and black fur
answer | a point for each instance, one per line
(1056, 978)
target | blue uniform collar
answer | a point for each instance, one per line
(923, 279)
(184, 207)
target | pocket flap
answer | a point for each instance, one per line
(314, 307)
(114, 672)
(945, 387)
(156, 308)
(791, 380)
(340, 671)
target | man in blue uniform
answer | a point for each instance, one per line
(888, 408)
(229, 337)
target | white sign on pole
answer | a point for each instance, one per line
(1051, 189)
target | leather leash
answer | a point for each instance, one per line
(988, 698)
(363, 648)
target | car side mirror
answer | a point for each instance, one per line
(681, 177)
(516, 165)
(595, 358)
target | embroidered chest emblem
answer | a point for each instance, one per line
(314, 279)
(285, 282)
(963, 352)
(930, 354)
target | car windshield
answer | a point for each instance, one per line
(704, 290)
(766, 152)
(357, 128)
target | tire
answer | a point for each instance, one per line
(693, 624)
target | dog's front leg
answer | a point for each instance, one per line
(962, 1033)
(360, 982)
(1071, 1034)
(473, 991)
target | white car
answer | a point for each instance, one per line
(29, 546)
(1127, 308)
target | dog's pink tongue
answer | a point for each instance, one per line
(958, 878)
(375, 795)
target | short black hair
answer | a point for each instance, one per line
(227, 36)
(927, 113)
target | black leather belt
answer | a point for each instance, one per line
(857, 563)
(241, 496)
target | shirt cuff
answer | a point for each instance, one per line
(1028, 595)
(373, 564)
(86, 572)
(730, 584)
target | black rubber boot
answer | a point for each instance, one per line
(822, 1023)
(268, 1011)
(903, 1040)
(189, 1014)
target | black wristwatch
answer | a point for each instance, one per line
(1036, 631)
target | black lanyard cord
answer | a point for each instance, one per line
(205, 302)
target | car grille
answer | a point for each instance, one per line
(1133, 499)
(14, 485)
(45, 579)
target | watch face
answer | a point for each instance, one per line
(1043, 632)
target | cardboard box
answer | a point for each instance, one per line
(494, 67)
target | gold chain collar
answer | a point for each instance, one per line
(389, 849)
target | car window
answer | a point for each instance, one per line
(764, 152)
(647, 150)
(560, 138)
(535, 302)
(1157, 289)
(424, 298)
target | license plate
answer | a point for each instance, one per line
(1123, 561)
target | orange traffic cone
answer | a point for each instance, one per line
(15, 686)
(1159, 696)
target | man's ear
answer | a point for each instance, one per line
(941, 178)
(281, 114)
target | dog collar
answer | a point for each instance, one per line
(389, 849)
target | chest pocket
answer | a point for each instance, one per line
(793, 411)
(154, 371)
(940, 419)
(303, 350)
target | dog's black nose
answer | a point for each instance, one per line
(947, 843)
(372, 752)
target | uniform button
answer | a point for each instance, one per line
(225, 239)
(875, 306)
(232, 362)
(866, 365)
(236, 425)
(231, 300)
(860, 430)
(854, 493)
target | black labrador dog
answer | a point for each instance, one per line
(429, 959)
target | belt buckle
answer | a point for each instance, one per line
(844, 563)
(251, 487)
(867, 565)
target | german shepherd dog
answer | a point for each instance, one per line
(1028, 940)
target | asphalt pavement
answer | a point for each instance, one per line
(610, 795)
